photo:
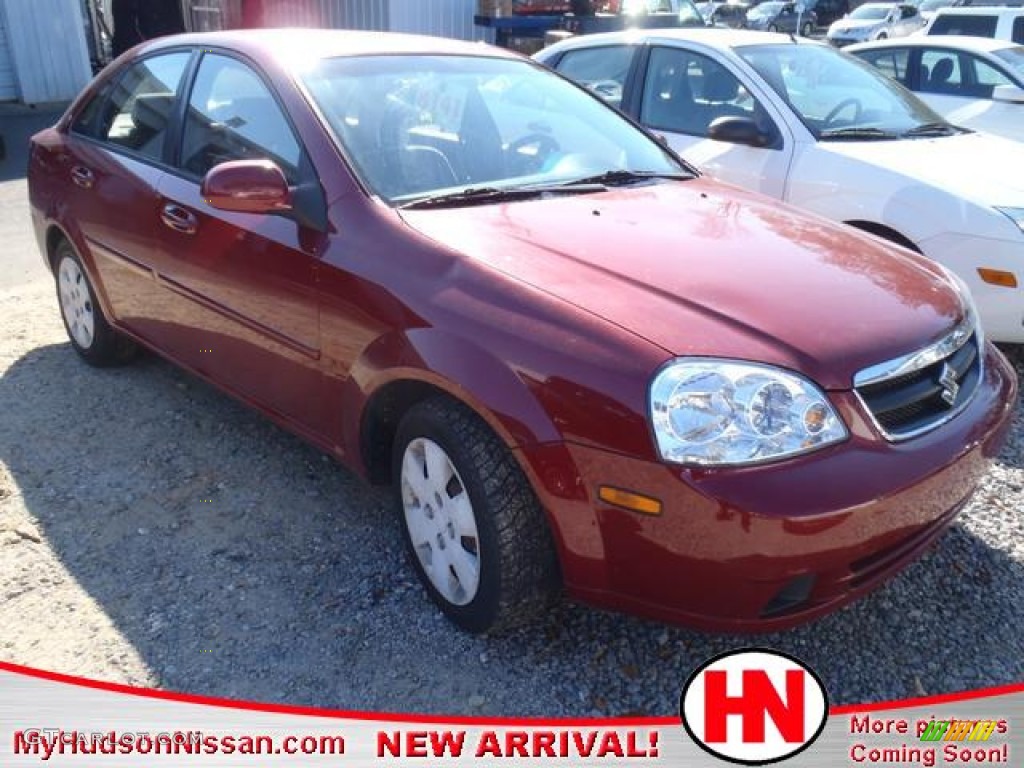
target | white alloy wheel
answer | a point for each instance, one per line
(76, 303)
(440, 520)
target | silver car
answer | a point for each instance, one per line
(875, 21)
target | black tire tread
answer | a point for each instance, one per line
(529, 575)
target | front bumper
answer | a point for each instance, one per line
(764, 548)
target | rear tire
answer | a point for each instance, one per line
(475, 531)
(772, 28)
(88, 330)
(807, 29)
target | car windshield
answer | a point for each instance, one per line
(1013, 58)
(932, 5)
(837, 96)
(418, 126)
(765, 9)
(871, 12)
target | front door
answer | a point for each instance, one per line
(247, 282)
(685, 91)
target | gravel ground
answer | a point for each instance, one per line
(156, 533)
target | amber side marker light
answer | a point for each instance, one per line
(634, 502)
(998, 277)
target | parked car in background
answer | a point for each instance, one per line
(976, 82)
(776, 16)
(810, 125)
(928, 8)
(875, 21)
(827, 11)
(725, 14)
(582, 365)
(999, 23)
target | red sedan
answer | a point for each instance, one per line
(582, 365)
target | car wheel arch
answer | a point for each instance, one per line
(886, 233)
(401, 369)
(54, 236)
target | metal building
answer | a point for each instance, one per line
(43, 53)
(445, 18)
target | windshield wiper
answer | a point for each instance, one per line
(854, 133)
(483, 195)
(934, 129)
(623, 176)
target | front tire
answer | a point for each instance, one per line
(475, 531)
(88, 330)
(807, 29)
(772, 28)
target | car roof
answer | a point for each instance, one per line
(291, 46)
(964, 42)
(982, 10)
(714, 37)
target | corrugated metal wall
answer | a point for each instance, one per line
(51, 60)
(8, 88)
(444, 18)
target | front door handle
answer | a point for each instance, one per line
(82, 176)
(179, 219)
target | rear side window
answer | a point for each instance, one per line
(603, 70)
(891, 62)
(141, 105)
(976, 26)
(232, 115)
(1018, 30)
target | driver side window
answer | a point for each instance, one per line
(233, 116)
(685, 92)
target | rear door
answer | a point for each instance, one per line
(246, 282)
(113, 165)
(960, 85)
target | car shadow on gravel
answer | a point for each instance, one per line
(237, 561)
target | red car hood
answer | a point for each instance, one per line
(700, 268)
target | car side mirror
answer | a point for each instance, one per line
(1008, 93)
(738, 130)
(247, 186)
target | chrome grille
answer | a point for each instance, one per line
(916, 393)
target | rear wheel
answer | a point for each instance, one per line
(474, 529)
(807, 29)
(88, 330)
(882, 36)
(772, 28)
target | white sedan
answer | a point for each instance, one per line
(805, 123)
(976, 82)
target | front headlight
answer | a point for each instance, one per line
(1016, 215)
(970, 306)
(724, 412)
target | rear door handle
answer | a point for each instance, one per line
(179, 219)
(82, 176)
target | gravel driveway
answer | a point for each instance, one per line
(154, 532)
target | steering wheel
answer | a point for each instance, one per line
(533, 149)
(838, 108)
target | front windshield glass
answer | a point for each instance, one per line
(416, 125)
(765, 9)
(932, 5)
(836, 95)
(1013, 58)
(871, 12)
